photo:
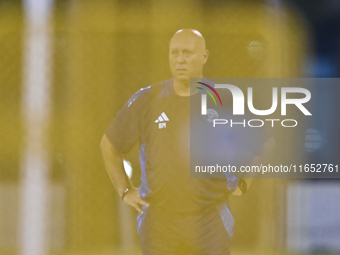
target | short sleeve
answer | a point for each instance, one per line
(125, 130)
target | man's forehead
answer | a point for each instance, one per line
(184, 42)
(188, 43)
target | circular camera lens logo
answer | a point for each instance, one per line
(211, 115)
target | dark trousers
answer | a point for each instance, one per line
(165, 233)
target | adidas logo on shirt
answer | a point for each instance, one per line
(161, 120)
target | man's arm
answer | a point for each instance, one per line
(113, 161)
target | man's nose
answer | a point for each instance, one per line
(180, 58)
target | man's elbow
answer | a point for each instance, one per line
(104, 143)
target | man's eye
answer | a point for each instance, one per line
(174, 54)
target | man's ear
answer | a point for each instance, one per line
(206, 55)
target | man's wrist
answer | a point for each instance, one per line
(125, 192)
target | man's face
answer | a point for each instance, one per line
(187, 56)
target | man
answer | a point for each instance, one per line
(178, 215)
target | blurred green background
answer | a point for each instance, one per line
(101, 52)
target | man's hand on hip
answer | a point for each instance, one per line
(134, 199)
